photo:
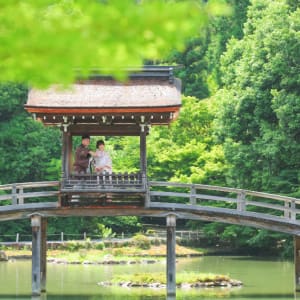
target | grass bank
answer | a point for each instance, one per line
(79, 252)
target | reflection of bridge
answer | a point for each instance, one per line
(157, 199)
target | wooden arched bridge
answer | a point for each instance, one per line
(126, 195)
(187, 201)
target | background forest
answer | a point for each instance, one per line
(239, 125)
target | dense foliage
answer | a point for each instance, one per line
(50, 39)
(239, 124)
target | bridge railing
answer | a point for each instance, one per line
(223, 197)
(103, 181)
(19, 193)
(169, 194)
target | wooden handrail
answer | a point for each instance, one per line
(17, 193)
(197, 195)
(285, 206)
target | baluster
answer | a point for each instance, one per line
(135, 179)
(21, 196)
(292, 211)
(241, 201)
(287, 209)
(193, 195)
(118, 178)
(131, 178)
(14, 194)
(126, 177)
(113, 178)
(103, 177)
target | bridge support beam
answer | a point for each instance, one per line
(297, 263)
(39, 250)
(171, 256)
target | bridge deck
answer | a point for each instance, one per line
(190, 201)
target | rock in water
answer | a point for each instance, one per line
(3, 256)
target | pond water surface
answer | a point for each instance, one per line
(263, 280)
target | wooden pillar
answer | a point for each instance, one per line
(66, 148)
(36, 254)
(69, 165)
(297, 262)
(171, 255)
(38, 225)
(143, 150)
(43, 254)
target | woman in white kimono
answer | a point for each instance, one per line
(102, 158)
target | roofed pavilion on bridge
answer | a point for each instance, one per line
(102, 106)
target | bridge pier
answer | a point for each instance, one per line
(39, 250)
(297, 263)
(171, 256)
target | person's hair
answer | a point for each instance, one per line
(100, 142)
(85, 136)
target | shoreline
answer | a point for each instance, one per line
(123, 255)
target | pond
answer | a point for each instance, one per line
(263, 279)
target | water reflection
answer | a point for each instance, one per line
(263, 280)
(43, 296)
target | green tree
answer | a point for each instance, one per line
(259, 105)
(257, 119)
(51, 39)
(186, 151)
(200, 60)
(27, 146)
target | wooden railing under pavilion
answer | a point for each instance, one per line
(103, 187)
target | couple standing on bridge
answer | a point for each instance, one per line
(85, 158)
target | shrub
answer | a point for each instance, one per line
(156, 242)
(100, 246)
(73, 246)
(88, 244)
(141, 241)
(118, 252)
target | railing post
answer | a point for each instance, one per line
(21, 197)
(241, 201)
(14, 194)
(293, 210)
(287, 211)
(193, 195)
(147, 196)
(61, 236)
(171, 255)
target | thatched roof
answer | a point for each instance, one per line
(152, 96)
(108, 94)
